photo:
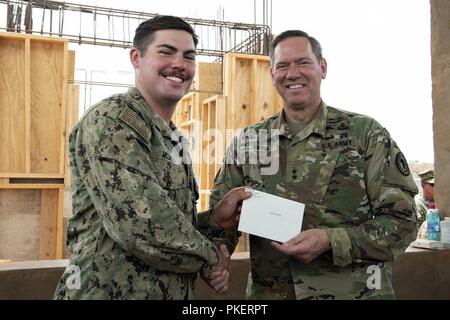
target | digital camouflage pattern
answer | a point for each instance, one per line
(133, 234)
(356, 186)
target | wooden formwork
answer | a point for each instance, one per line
(248, 97)
(37, 108)
(188, 115)
(208, 77)
(72, 114)
(187, 120)
(249, 90)
(33, 95)
(47, 210)
(213, 145)
(251, 98)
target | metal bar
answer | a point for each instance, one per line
(270, 24)
(243, 37)
(28, 18)
(51, 21)
(79, 36)
(132, 14)
(95, 25)
(112, 24)
(43, 17)
(18, 19)
(60, 21)
(123, 28)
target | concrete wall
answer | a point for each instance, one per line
(440, 50)
(422, 275)
(30, 280)
(416, 275)
(37, 280)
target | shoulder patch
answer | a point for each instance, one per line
(402, 164)
(132, 119)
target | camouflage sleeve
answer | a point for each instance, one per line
(228, 177)
(391, 189)
(135, 210)
(422, 209)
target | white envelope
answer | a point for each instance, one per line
(271, 217)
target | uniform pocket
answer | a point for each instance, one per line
(346, 193)
(174, 180)
(170, 176)
(311, 175)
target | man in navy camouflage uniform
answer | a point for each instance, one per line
(134, 232)
(345, 168)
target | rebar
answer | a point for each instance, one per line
(243, 37)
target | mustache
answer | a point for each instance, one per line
(174, 73)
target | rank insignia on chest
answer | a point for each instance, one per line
(294, 175)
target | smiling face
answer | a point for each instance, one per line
(164, 72)
(297, 74)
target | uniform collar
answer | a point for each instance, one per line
(317, 125)
(151, 116)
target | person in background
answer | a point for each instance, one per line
(423, 201)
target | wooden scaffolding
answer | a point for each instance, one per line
(37, 109)
(211, 121)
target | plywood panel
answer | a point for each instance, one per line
(47, 67)
(248, 87)
(204, 147)
(48, 224)
(59, 225)
(27, 106)
(12, 105)
(19, 224)
(213, 143)
(266, 98)
(242, 93)
(73, 95)
(204, 200)
(221, 127)
(210, 150)
(71, 65)
(228, 68)
(208, 76)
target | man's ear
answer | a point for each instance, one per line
(323, 67)
(135, 57)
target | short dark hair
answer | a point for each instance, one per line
(315, 45)
(145, 31)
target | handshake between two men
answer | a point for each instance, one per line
(304, 246)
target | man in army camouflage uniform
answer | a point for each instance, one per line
(134, 230)
(347, 170)
(423, 200)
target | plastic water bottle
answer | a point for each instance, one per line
(433, 223)
(445, 230)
